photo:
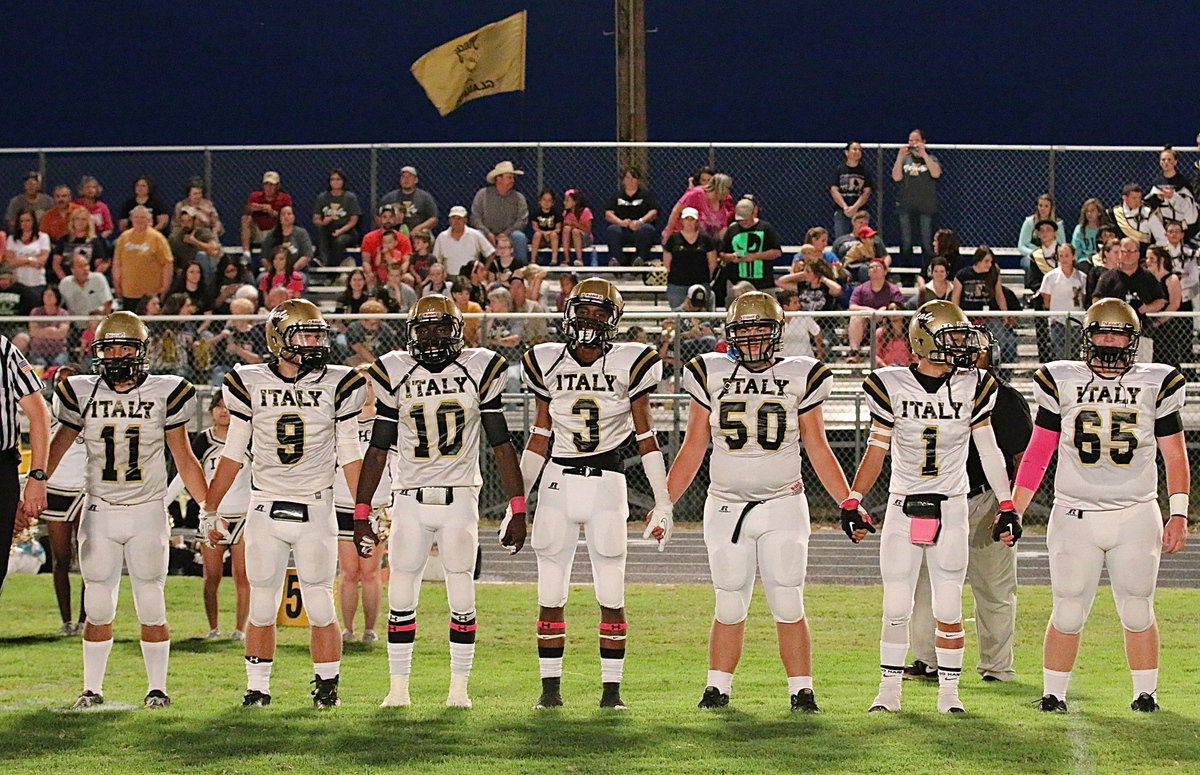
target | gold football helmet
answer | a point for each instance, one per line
(120, 329)
(293, 318)
(748, 311)
(435, 330)
(940, 332)
(586, 329)
(1110, 316)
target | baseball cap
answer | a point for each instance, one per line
(690, 212)
(271, 177)
(1044, 222)
(386, 207)
(458, 210)
(698, 295)
(744, 209)
(410, 169)
(188, 210)
(866, 231)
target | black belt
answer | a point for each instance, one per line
(591, 465)
(737, 529)
(979, 489)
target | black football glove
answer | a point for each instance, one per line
(854, 520)
(1007, 522)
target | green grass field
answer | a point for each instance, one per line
(206, 731)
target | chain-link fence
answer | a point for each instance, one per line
(984, 193)
(1169, 338)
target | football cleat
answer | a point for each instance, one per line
(156, 698)
(326, 693)
(805, 701)
(713, 698)
(256, 699)
(551, 696)
(920, 671)
(1052, 704)
(1145, 703)
(88, 699)
(458, 698)
(611, 697)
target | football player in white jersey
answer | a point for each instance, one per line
(358, 572)
(1107, 417)
(126, 417)
(592, 394)
(431, 403)
(925, 415)
(298, 414)
(64, 502)
(757, 409)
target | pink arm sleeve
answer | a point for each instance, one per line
(1037, 457)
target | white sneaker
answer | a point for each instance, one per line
(68, 628)
(370, 636)
(888, 699)
(398, 696)
(237, 635)
(457, 698)
(347, 636)
(213, 634)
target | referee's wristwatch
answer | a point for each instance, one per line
(38, 474)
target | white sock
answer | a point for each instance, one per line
(95, 663)
(722, 680)
(550, 667)
(893, 654)
(611, 670)
(798, 682)
(327, 670)
(258, 674)
(400, 658)
(1055, 682)
(462, 656)
(1144, 682)
(156, 656)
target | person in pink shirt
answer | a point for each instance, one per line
(576, 225)
(279, 272)
(89, 196)
(891, 341)
(713, 203)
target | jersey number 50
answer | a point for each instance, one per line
(770, 422)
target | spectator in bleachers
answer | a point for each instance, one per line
(435, 281)
(276, 296)
(917, 171)
(459, 245)
(170, 347)
(391, 253)
(842, 245)
(144, 195)
(631, 214)
(1029, 240)
(335, 214)
(939, 286)
(689, 256)
(291, 235)
(385, 220)
(460, 292)
(1043, 258)
(948, 247)
(577, 225)
(566, 283)
(89, 192)
(812, 281)
(504, 261)
(978, 287)
(261, 214)
(31, 198)
(241, 341)
(1184, 259)
(142, 262)
(749, 249)
(850, 188)
(278, 271)
(876, 293)
(498, 208)
(498, 329)
(399, 293)
(27, 251)
(1131, 283)
(415, 207)
(48, 341)
(192, 243)
(14, 300)
(532, 330)
(477, 278)
(85, 292)
(712, 202)
(859, 256)
(1172, 204)
(546, 223)
(702, 177)
(232, 274)
(1168, 162)
(695, 335)
(195, 196)
(371, 337)
(801, 334)
(80, 239)
(891, 341)
(1091, 219)
(535, 285)
(1135, 220)
(191, 282)
(818, 237)
(56, 220)
(1064, 289)
(1110, 253)
(422, 253)
(1172, 336)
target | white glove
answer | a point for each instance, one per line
(660, 517)
(508, 515)
(210, 523)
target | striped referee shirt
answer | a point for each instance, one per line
(17, 380)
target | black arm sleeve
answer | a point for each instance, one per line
(383, 434)
(495, 427)
(1048, 420)
(1169, 425)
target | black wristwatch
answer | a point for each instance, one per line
(38, 474)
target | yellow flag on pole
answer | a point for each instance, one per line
(488, 61)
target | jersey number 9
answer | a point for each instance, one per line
(289, 434)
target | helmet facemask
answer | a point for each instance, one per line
(1113, 359)
(119, 369)
(307, 355)
(434, 343)
(958, 346)
(587, 331)
(753, 341)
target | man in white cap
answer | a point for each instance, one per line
(415, 207)
(498, 208)
(262, 210)
(456, 247)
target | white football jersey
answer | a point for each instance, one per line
(208, 448)
(590, 405)
(437, 415)
(754, 417)
(125, 433)
(71, 474)
(931, 431)
(294, 425)
(342, 496)
(1107, 449)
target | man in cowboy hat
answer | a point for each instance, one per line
(499, 209)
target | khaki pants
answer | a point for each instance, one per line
(992, 574)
